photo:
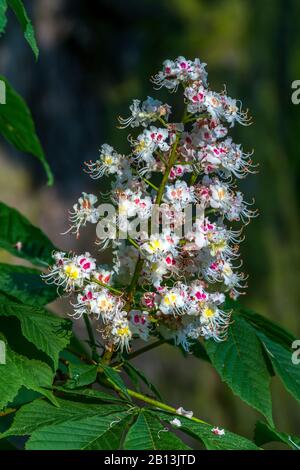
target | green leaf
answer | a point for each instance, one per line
(136, 373)
(21, 14)
(71, 426)
(198, 350)
(89, 433)
(203, 431)
(22, 239)
(18, 371)
(261, 323)
(265, 433)
(240, 362)
(91, 394)
(114, 378)
(147, 433)
(3, 19)
(17, 126)
(47, 332)
(281, 359)
(26, 285)
(81, 374)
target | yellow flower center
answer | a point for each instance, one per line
(170, 299)
(105, 304)
(217, 247)
(208, 312)
(123, 331)
(227, 270)
(155, 245)
(107, 160)
(140, 146)
(71, 271)
(221, 193)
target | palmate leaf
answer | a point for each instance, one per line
(18, 371)
(115, 379)
(203, 432)
(88, 433)
(275, 332)
(148, 433)
(90, 394)
(281, 358)
(240, 362)
(18, 7)
(71, 426)
(40, 413)
(22, 239)
(47, 332)
(17, 127)
(264, 433)
(3, 19)
(81, 374)
(26, 285)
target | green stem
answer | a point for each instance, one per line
(140, 351)
(150, 184)
(146, 180)
(193, 178)
(164, 181)
(106, 286)
(134, 243)
(134, 281)
(153, 345)
(155, 403)
(161, 120)
(107, 356)
(90, 332)
(8, 411)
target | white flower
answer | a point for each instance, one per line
(83, 212)
(179, 195)
(70, 272)
(177, 289)
(176, 422)
(173, 301)
(233, 113)
(180, 70)
(139, 323)
(118, 331)
(181, 411)
(142, 114)
(196, 97)
(218, 432)
(149, 142)
(108, 163)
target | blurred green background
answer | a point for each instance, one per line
(95, 57)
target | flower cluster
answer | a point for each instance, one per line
(171, 282)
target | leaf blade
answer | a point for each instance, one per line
(241, 365)
(17, 127)
(15, 229)
(18, 8)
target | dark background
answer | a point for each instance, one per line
(95, 57)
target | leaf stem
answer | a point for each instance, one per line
(92, 340)
(170, 163)
(8, 411)
(137, 353)
(155, 403)
(106, 286)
